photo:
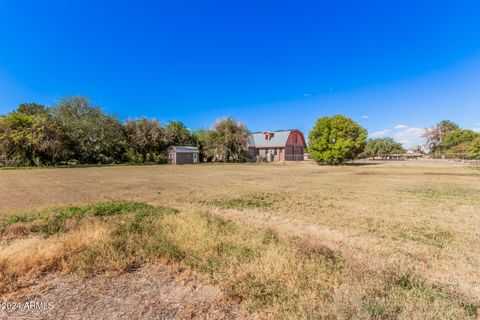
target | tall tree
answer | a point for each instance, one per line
(456, 137)
(93, 136)
(390, 146)
(201, 136)
(336, 139)
(31, 139)
(435, 135)
(474, 149)
(14, 137)
(31, 109)
(178, 134)
(382, 147)
(372, 147)
(228, 141)
(145, 137)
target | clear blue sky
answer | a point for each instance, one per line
(271, 64)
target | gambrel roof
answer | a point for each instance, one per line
(184, 149)
(279, 138)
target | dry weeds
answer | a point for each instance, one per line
(376, 241)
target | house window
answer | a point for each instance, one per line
(268, 136)
(275, 151)
(295, 138)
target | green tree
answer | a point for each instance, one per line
(382, 147)
(31, 139)
(145, 138)
(178, 134)
(92, 135)
(390, 146)
(201, 136)
(14, 138)
(371, 148)
(31, 109)
(435, 135)
(48, 139)
(228, 141)
(336, 139)
(456, 137)
(474, 149)
(448, 126)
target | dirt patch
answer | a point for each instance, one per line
(150, 292)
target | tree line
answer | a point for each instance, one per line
(75, 130)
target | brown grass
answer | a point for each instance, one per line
(378, 241)
(24, 259)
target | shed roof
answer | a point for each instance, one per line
(279, 138)
(184, 149)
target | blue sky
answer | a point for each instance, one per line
(393, 66)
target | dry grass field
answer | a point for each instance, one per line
(396, 240)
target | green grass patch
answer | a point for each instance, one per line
(17, 168)
(415, 288)
(61, 220)
(439, 238)
(16, 218)
(257, 201)
(386, 302)
(472, 310)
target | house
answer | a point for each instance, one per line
(280, 145)
(402, 156)
(182, 155)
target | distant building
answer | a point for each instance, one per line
(401, 156)
(182, 155)
(280, 145)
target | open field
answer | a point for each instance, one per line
(383, 240)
